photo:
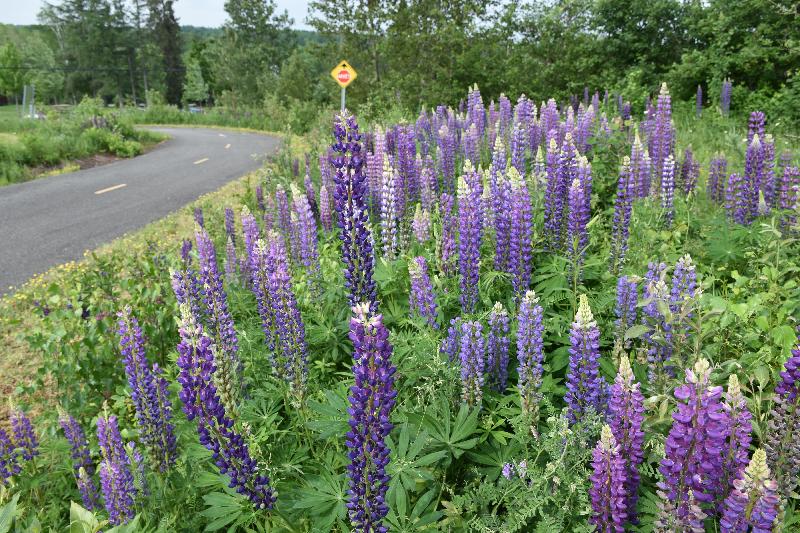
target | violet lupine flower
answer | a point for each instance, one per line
(372, 398)
(202, 402)
(520, 242)
(264, 261)
(325, 216)
(668, 190)
(351, 213)
(198, 216)
(767, 183)
(640, 167)
(684, 285)
(251, 233)
(230, 227)
(788, 191)
(699, 102)
(284, 217)
(220, 324)
(307, 242)
(447, 247)
(518, 145)
(623, 203)
(9, 457)
(755, 125)
(153, 412)
(447, 156)
(186, 249)
(116, 478)
(735, 454)
(470, 229)
(717, 170)
(560, 167)
(754, 503)
(231, 261)
(577, 236)
(689, 172)
(260, 198)
(608, 491)
(428, 185)
(497, 347)
(662, 138)
(782, 442)
(471, 355)
(451, 346)
(626, 414)
(471, 142)
(189, 290)
(693, 451)
(530, 355)
(753, 175)
(421, 224)
(82, 464)
(626, 306)
(737, 201)
(24, 436)
(501, 213)
(421, 297)
(725, 97)
(407, 180)
(586, 389)
(658, 337)
(390, 220)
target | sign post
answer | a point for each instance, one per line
(343, 74)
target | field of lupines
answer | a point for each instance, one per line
(497, 318)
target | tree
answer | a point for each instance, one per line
(195, 88)
(12, 76)
(166, 35)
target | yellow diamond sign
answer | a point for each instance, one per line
(343, 73)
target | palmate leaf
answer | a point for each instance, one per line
(408, 469)
(7, 513)
(454, 436)
(225, 509)
(324, 499)
(332, 416)
(423, 515)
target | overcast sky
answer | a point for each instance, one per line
(190, 12)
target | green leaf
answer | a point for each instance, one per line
(82, 520)
(7, 513)
(634, 332)
(130, 527)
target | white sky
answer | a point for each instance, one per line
(208, 13)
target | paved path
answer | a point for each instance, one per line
(50, 221)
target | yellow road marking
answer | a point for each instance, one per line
(227, 146)
(109, 189)
(201, 161)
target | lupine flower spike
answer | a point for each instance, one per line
(608, 485)
(753, 501)
(586, 389)
(530, 356)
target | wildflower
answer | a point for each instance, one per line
(421, 297)
(739, 435)
(586, 389)
(472, 362)
(782, 442)
(754, 501)
(470, 229)
(82, 465)
(607, 491)
(626, 189)
(530, 355)
(116, 479)
(520, 244)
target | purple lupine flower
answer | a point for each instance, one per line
(260, 198)
(447, 156)
(351, 213)
(307, 242)
(421, 297)
(390, 220)
(518, 145)
(530, 355)
(406, 170)
(693, 451)
(497, 347)
(577, 237)
(625, 308)
(372, 398)
(23, 433)
(231, 262)
(447, 246)
(782, 443)
(421, 224)
(620, 231)
(82, 464)
(689, 172)
(471, 356)
(609, 509)
(521, 230)
(753, 176)
(251, 233)
(737, 202)
(198, 216)
(451, 346)
(470, 229)
(661, 141)
(215, 428)
(626, 415)
(626, 112)
(658, 337)
(755, 125)
(508, 470)
(717, 170)
(9, 457)
(767, 183)
(230, 227)
(735, 454)
(186, 249)
(668, 190)
(116, 479)
(754, 501)
(640, 167)
(501, 205)
(699, 102)
(586, 389)
(284, 217)
(325, 216)
(725, 97)
(189, 290)
(153, 412)
(428, 185)
(471, 143)
(560, 168)
(220, 324)
(264, 263)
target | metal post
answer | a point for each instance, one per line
(343, 91)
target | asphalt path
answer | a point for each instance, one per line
(53, 220)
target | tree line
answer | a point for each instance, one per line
(412, 52)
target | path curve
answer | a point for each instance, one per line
(53, 220)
